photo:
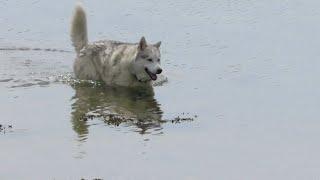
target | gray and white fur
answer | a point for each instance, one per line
(115, 63)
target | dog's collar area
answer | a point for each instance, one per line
(135, 76)
(142, 81)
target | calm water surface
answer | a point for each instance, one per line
(242, 78)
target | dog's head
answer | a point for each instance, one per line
(147, 63)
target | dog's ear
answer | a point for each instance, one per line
(157, 44)
(142, 44)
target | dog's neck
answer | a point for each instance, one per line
(140, 77)
(136, 73)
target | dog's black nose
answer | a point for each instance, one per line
(159, 71)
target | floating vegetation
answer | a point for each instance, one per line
(5, 128)
(117, 119)
(182, 119)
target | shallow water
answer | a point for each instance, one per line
(241, 100)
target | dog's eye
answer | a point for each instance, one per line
(150, 60)
(158, 60)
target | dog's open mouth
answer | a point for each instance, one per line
(152, 76)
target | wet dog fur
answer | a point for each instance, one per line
(114, 62)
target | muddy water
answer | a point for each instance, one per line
(241, 100)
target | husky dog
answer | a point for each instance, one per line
(115, 63)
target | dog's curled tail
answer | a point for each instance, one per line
(79, 36)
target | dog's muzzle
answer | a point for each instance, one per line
(152, 75)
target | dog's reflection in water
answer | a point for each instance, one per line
(136, 108)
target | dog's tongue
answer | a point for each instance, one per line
(153, 76)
